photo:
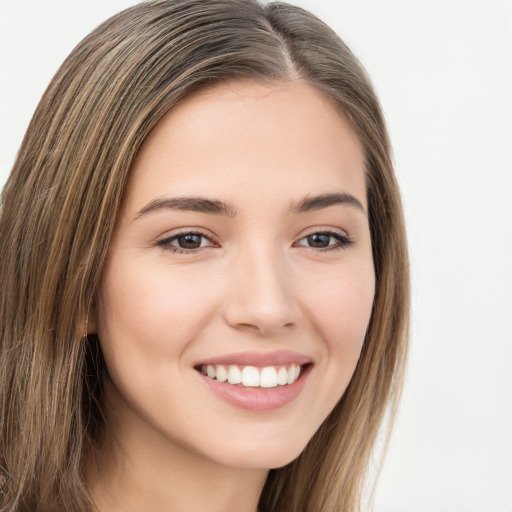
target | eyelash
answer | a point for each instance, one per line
(166, 243)
(343, 241)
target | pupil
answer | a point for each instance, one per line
(189, 241)
(319, 240)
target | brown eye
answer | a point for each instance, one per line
(186, 242)
(189, 241)
(319, 240)
(326, 241)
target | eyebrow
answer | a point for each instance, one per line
(216, 207)
(191, 204)
(312, 203)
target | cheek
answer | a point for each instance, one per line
(340, 310)
(342, 306)
(158, 301)
(147, 314)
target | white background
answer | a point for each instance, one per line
(443, 71)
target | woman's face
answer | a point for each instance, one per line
(242, 251)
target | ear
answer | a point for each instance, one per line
(91, 322)
(91, 326)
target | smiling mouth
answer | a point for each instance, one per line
(252, 376)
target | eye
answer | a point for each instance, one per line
(326, 240)
(185, 242)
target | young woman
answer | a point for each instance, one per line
(204, 270)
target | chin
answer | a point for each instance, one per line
(269, 453)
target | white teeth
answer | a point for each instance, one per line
(268, 378)
(291, 374)
(282, 376)
(250, 376)
(234, 375)
(221, 373)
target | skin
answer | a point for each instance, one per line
(255, 284)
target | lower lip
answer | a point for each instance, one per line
(258, 399)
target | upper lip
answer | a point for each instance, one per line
(262, 359)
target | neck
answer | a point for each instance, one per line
(137, 470)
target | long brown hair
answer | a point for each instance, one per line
(58, 211)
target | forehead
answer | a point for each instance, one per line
(238, 138)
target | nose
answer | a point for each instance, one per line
(261, 296)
